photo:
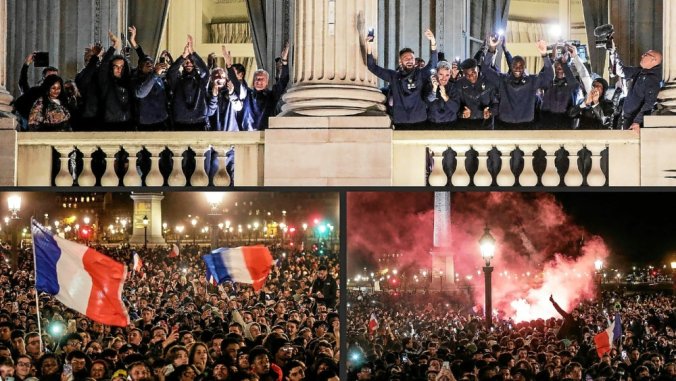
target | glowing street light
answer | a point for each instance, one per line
(87, 220)
(145, 232)
(14, 207)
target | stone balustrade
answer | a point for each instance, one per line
(174, 159)
(418, 158)
(516, 158)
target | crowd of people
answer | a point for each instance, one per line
(182, 326)
(185, 94)
(394, 336)
(189, 94)
(474, 94)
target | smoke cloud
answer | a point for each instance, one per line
(540, 250)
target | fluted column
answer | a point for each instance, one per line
(330, 77)
(667, 97)
(5, 97)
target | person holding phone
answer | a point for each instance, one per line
(409, 110)
(442, 98)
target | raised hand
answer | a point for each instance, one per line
(132, 36)
(115, 40)
(227, 56)
(542, 47)
(493, 42)
(29, 59)
(430, 36)
(191, 44)
(285, 51)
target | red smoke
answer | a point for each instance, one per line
(539, 252)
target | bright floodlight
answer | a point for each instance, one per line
(179, 228)
(555, 31)
(673, 265)
(14, 205)
(598, 264)
(487, 245)
(214, 198)
(87, 220)
(193, 222)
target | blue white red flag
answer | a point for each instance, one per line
(79, 277)
(247, 264)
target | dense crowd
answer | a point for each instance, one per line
(474, 94)
(185, 94)
(182, 327)
(437, 337)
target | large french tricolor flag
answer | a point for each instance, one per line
(79, 277)
(604, 340)
(247, 264)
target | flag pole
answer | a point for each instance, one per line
(37, 300)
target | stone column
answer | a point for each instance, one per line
(7, 121)
(667, 97)
(150, 205)
(330, 77)
(333, 130)
(5, 97)
(443, 271)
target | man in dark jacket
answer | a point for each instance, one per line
(190, 90)
(324, 288)
(572, 323)
(406, 84)
(259, 102)
(442, 97)
(517, 91)
(115, 89)
(645, 84)
(558, 98)
(478, 98)
(151, 94)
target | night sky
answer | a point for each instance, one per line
(637, 227)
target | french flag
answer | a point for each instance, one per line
(604, 340)
(247, 264)
(79, 277)
(373, 323)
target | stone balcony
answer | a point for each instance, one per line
(353, 154)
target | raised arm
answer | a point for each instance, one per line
(582, 71)
(23, 76)
(380, 72)
(558, 308)
(546, 75)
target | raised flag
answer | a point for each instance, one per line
(247, 264)
(174, 252)
(604, 340)
(373, 323)
(79, 277)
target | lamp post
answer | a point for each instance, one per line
(673, 277)
(14, 206)
(124, 229)
(598, 265)
(487, 245)
(179, 230)
(214, 199)
(145, 232)
(193, 222)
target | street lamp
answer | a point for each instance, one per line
(193, 222)
(487, 245)
(598, 265)
(214, 199)
(14, 206)
(673, 277)
(124, 229)
(179, 230)
(145, 232)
